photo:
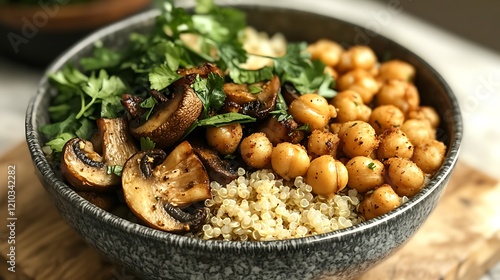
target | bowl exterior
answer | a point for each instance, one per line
(344, 254)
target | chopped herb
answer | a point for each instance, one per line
(57, 143)
(220, 120)
(371, 165)
(148, 103)
(210, 91)
(162, 76)
(115, 169)
(147, 144)
(306, 127)
(280, 109)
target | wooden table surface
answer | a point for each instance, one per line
(460, 240)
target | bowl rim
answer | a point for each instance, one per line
(83, 206)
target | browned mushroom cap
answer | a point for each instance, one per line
(87, 170)
(171, 119)
(158, 188)
(240, 99)
(220, 170)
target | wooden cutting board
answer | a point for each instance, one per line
(460, 240)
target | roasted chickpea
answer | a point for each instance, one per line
(365, 174)
(290, 160)
(429, 156)
(396, 70)
(322, 143)
(394, 143)
(326, 51)
(357, 57)
(358, 138)
(361, 82)
(225, 139)
(379, 202)
(400, 94)
(335, 128)
(425, 113)
(326, 176)
(350, 107)
(406, 178)
(256, 150)
(385, 117)
(312, 109)
(418, 131)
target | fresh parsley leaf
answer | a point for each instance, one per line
(58, 142)
(225, 119)
(162, 76)
(147, 143)
(211, 92)
(280, 109)
(86, 129)
(148, 103)
(306, 127)
(103, 58)
(69, 125)
(100, 88)
(294, 61)
(220, 120)
(312, 79)
(243, 76)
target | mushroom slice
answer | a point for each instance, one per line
(221, 170)
(171, 119)
(87, 170)
(256, 105)
(159, 189)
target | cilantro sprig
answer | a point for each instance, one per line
(80, 101)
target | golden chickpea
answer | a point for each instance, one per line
(225, 139)
(290, 160)
(405, 176)
(357, 57)
(394, 143)
(361, 82)
(385, 117)
(326, 176)
(326, 51)
(322, 143)
(365, 174)
(350, 107)
(429, 156)
(379, 202)
(358, 138)
(256, 150)
(312, 109)
(400, 94)
(396, 70)
(425, 113)
(418, 131)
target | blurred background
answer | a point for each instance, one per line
(457, 37)
(471, 20)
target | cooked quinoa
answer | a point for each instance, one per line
(258, 206)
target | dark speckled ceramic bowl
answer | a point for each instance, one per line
(343, 254)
